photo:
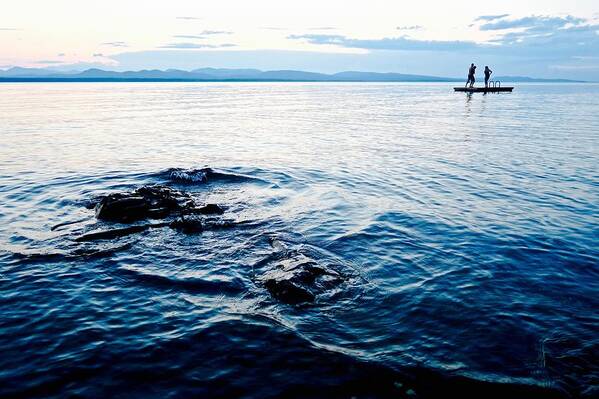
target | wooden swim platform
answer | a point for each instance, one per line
(493, 87)
(484, 89)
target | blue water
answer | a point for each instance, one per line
(466, 227)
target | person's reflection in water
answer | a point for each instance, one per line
(483, 104)
(468, 103)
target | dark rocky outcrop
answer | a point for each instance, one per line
(150, 202)
(299, 279)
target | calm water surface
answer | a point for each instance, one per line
(470, 226)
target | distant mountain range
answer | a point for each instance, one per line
(18, 74)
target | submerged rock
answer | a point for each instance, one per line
(188, 225)
(111, 234)
(209, 209)
(287, 291)
(299, 279)
(190, 175)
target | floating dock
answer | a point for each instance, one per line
(484, 89)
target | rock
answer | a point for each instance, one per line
(299, 279)
(287, 291)
(111, 234)
(156, 202)
(121, 207)
(190, 176)
(152, 202)
(187, 225)
(209, 209)
(58, 226)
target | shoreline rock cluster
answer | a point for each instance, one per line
(149, 202)
(293, 277)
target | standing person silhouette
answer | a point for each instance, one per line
(471, 73)
(488, 73)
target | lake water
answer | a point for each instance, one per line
(465, 228)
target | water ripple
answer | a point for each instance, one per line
(465, 248)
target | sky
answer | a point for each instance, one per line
(548, 38)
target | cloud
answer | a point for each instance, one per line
(323, 28)
(387, 43)
(189, 37)
(546, 36)
(576, 67)
(216, 32)
(204, 34)
(49, 62)
(491, 17)
(9, 29)
(189, 18)
(115, 44)
(60, 54)
(533, 36)
(412, 27)
(273, 28)
(186, 45)
(98, 55)
(536, 23)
